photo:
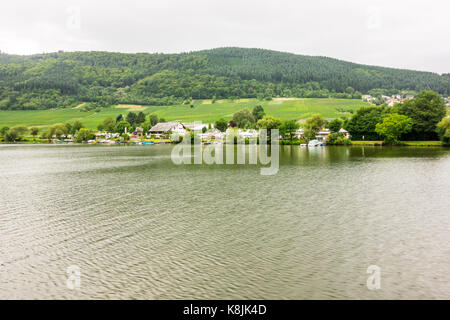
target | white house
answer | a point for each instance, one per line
(345, 133)
(251, 133)
(322, 135)
(391, 102)
(167, 127)
(196, 126)
(368, 98)
(106, 135)
(299, 134)
(217, 134)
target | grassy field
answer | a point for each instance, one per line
(203, 110)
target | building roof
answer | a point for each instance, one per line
(165, 126)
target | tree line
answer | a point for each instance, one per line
(421, 118)
(46, 81)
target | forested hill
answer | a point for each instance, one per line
(66, 79)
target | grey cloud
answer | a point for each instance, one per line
(402, 34)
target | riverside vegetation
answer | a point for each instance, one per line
(418, 119)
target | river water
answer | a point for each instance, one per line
(137, 226)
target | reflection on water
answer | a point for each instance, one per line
(139, 226)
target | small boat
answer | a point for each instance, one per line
(314, 143)
(303, 145)
(147, 143)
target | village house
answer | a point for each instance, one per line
(106, 135)
(368, 98)
(167, 127)
(345, 133)
(138, 132)
(217, 134)
(447, 102)
(250, 133)
(322, 135)
(299, 134)
(195, 126)
(392, 102)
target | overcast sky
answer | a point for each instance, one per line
(404, 34)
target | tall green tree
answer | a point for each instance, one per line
(15, 133)
(34, 131)
(221, 125)
(269, 123)
(107, 125)
(140, 118)
(119, 118)
(425, 110)
(77, 125)
(131, 118)
(153, 118)
(335, 125)
(4, 131)
(68, 127)
(313, 125)
(258, 112)
(243, 116)
(363, 123)
(393, 126)
(288, 129)
(83, 135)
(59, 130)
(120, 127)
(443, 130)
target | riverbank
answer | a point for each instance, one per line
(402, 143)
(283, 142)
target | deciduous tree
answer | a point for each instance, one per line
(393, 126)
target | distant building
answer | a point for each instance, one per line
(299, 134)
(139, 131)
(345, 133)
(409, 96)
(323, 135)
(168, 127)
(251, 133)
(217, 134)
(367, 98)
(195, 126)
(391, 102)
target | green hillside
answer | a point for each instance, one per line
(66, 79)
(203, 110)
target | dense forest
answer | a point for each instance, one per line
(66, 79)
